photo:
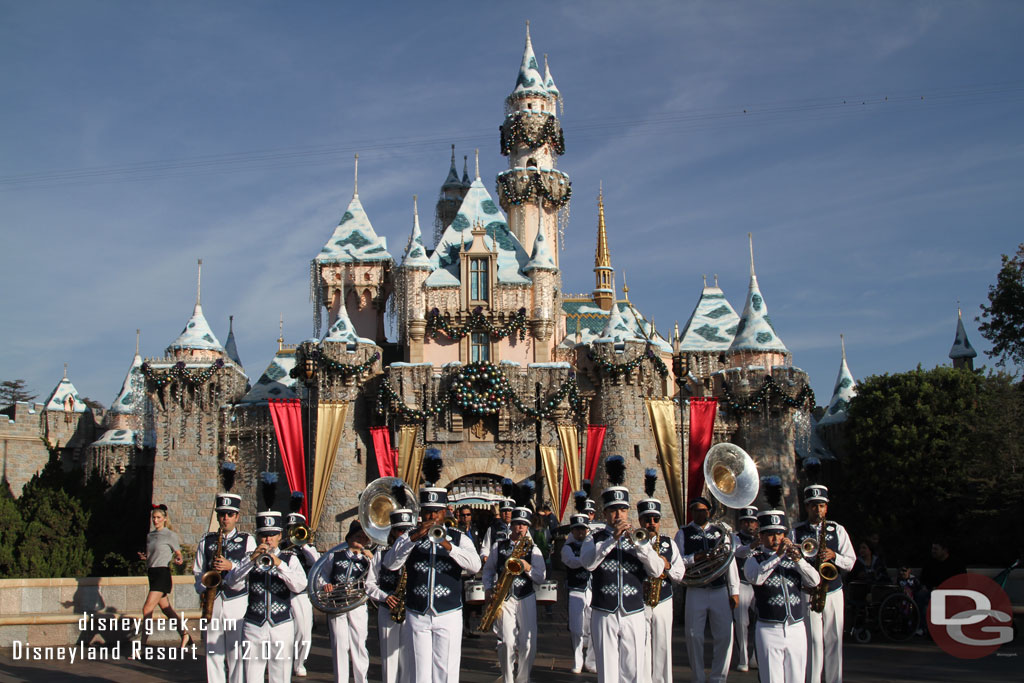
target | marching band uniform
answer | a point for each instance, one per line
(825, 629)
(778, 583)
(659, 618)
(708, 601)
(380, 584)
(498, 530)
(741, 614)
(301, 607)
(433, 621)
(517, 624)
(577, 579)
(618, 569)
(268, 629)
(223, 642)
(349, 628)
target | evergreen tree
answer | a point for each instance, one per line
(14, 390)
(1002, 321)
(11, 529)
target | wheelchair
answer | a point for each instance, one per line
(873, 608)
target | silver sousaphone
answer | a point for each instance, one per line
(375, 505)
(731, 478)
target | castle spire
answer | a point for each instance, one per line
(466, 182)
(230, 346)
(452, 182)
(549, 82)
(755, 332)
(529, 81)
(197, 334)
(844, 391)
(137, 333)
(476, 152)
(415, 255)
(199, 284)
(355, 181)
(280, 336)
(962, 353)
(603, 294)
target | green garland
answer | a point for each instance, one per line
(478, 322)
(343, 369)
(178, 372)
(481, 388)
(388, 397)
(616, 369)
(522, 127)
(769, 390)
(533, 188)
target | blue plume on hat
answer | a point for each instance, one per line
(507, 487)
(772, 486)
(295, 502)
(524, 492)
(580, 501)
(615, 468)
(650, 481)
(269, 488)
(432, 465)
(812, 467)
(586, 487)
(227, 475)
(398, 493)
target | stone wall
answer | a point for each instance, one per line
(24, 452)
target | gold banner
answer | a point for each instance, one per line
(415, 465)
(549, 460)
(406, 441)
(569, 439)
(663, 424)
(330, 422)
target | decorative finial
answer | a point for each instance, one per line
(600, 192)
(65, 370)
(477, 153)
(465, 166)
(137, 333)
(453, 155)
(415, 207)
(716, 279)
(842, 343)
(355, 184)
(199, 284)
(280, 338)
(705, 278)
(625, 285)
(750, 236)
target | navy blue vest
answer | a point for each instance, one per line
(697, 540)
(779, 597)
(805, 530)
(619, 580)
(234, 550)
(270, 599)
(522, 585)
(345, 568)
(745, 539)
(577, 579)
(665, 550)
(433, 580)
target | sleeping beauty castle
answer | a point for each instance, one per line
(493, 363)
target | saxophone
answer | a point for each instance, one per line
(513, 568)
(212, 579)
(826, 570)
(398, 611)
(652, 590)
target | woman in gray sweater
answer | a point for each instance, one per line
(161, 544)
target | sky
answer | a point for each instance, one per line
(874, 150)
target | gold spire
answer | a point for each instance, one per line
(602, 259)
(625, 286)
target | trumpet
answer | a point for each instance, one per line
(791, 549)
(436, 533)
(298, 535)
(809, 547)
(641, 536)
(262, 558)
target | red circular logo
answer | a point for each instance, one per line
(970, 616)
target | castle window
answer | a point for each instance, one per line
(479, 347)
(478, 279)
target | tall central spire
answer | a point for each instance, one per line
(604, 295)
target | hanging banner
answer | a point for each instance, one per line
(287, 416)
(569, 440)
(415, 465)
(330, 422)
(663, 424)
(595, 441)
(406, 442)
(382, 450)
(549, 461)
(702, 427)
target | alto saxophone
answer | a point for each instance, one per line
(513, 568)
(212, 579)
(398, 611)
(825, 569)
(652, 590)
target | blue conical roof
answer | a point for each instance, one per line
(415, 254)
(844, 391)
(549, 82)
(754, 331)
(276, 381)
(65, 394)
(354, 240)
(712, 325)
(961, 344)
(542, 257)
(197, 334)
(452, 182)
(529, 81)
(132, 394)
(230, 347)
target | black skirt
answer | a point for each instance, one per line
(159, 579)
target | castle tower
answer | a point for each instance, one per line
(230, 347)
(707, 335)
(453, 191)
(547, 283)
(197, 342)
(355, 259)
(844, 391)
(755, 342)
(531, 138)
(962, 353)
(410, 298)
(603, 294)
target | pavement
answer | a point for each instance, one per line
(877, 662)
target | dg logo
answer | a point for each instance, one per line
(775, 519)
(431, 497)
(618, 495)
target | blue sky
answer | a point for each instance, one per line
(875, 151)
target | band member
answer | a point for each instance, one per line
(577, 580)
(221, 550)
(434, 564)
(779, 575)
(825, 628)
(348, 628)
(303, 609)
(382, 585)
(714, 600)
(501, 526)
(517, 624)
(744, 540)
(272, 577)
(591, 509)
(659, 618)
(619, 567)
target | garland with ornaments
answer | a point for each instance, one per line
(615, 370)
(525, 190)
(387, 397)
(481, 388)
(477, 322)
(769, 390)
(343, 369)
(532, 129)
(179, 372)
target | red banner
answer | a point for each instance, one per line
(702, 427)
(595, 441)
(387, 457)
(287, 417)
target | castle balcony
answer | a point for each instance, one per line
(522, 185)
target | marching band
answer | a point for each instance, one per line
(621, 582)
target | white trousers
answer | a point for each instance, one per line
(518, 644)
(619, 641)
(224, 662)
(658, 652)
(348, 639)
(302, 616)
(781, 652)
(741, 618)
(268, 649)
(702, 604)
(436, 646)
(825, 638)
(392, 654)
(579, 629)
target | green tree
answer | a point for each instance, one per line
(1002, 321)
(53, 541)
(13, 390)
(11, 529)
